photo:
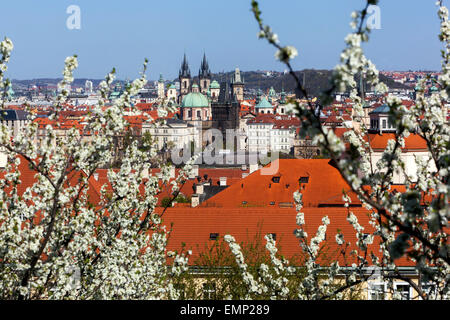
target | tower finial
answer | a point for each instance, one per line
(184, 70)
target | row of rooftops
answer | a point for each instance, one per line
(246, 203)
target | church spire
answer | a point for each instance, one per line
(184, 70)
(204, 71)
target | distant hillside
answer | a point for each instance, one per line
(53, 81)
(316, 80)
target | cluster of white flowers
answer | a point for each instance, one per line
(422, 211)
(6, 46)
(53, 235)
(286, 53)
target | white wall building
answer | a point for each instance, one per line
(173, 133)
(271, 133)
(382, 130)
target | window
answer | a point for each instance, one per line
(213, 236)
(377, 291)
(384, 123)
(404, 289)
(303, 180)
(199, 114)
(209, 291)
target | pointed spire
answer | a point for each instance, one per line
(204, 71)
(237, 76)
(184, 70)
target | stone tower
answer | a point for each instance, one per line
(204, 76)
(161, 92)
(185, 79)
(237, 85)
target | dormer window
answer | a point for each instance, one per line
(276, 179)
(213, 236)
(303, 180)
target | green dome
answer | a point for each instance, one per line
(195, 86)
(214, 85)
(195, 100)
(172, 86)
(264, 104)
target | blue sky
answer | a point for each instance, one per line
(122, 33)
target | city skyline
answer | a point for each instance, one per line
(121, 35)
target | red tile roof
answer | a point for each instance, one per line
(324, 187)
(412, 143)
(193, 226)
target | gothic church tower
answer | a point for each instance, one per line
(204, 76)
(185, 79)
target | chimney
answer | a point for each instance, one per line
(172, 172)
(96, 176)
(194, 172)
(199, 188)
(223, 181)
(195, 200)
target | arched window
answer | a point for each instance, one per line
(199, 114)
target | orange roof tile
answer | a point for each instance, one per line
(324, 187)
(193, 226)
(413, 142)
